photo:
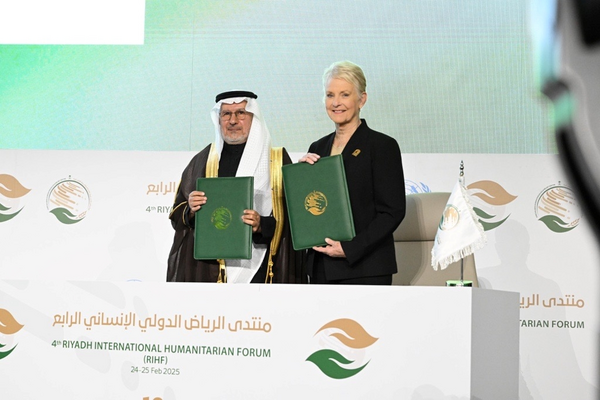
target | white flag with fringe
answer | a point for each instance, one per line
(459, 233)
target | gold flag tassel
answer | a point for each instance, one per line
(277, 196)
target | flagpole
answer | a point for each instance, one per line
(461, 282)
(459, 233)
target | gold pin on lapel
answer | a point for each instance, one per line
(356, 152)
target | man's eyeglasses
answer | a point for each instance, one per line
(239, 115)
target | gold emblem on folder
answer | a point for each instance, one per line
(315, 203)
(221, 218)
(356, 152)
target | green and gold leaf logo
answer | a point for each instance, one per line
(11, 195)
(221, 218)
(557, 208)
(69, 200)
(489, 200)
(315, 203)
(8, 326)
(344, 355)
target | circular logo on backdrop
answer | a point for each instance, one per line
(221, 218)
(69, 200)
(315, 203)
(411, 187)
(557, 208)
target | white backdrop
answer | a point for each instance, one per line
(119, 231)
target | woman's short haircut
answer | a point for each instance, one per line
(347, 71)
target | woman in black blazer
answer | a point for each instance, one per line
(373, 166)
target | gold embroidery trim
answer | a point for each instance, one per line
(222, 272)
(212, 171)
(212, 164)
(277, 199)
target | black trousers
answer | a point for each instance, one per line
(319, 278)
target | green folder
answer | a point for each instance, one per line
(219, 231)
(317, 201)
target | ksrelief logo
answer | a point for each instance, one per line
(69, 200)
(450, 218)
(489, 200)
(315, 202)
(11, 196)
(8, 327)
(221, 218)
(557, 208)
(344, 344)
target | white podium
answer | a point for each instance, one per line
(160, 341)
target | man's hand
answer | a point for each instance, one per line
(195, 202)
(333, 248)
(252, 218)
(310, 158)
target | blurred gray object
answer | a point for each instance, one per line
(575, 92)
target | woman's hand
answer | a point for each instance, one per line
(195, 201)
(333, 248)
(310, 158)
(252, 218)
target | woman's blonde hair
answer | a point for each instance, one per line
(347, 71)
